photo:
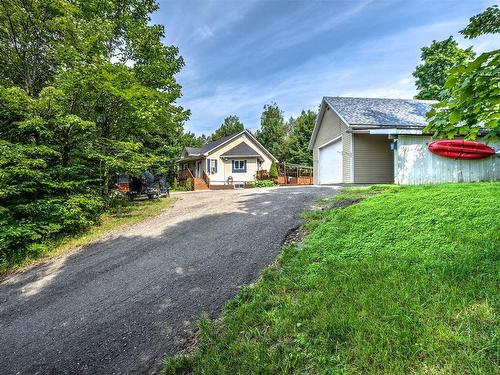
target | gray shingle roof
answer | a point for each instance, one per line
(193, 151)
(241, 149)
(381, 112)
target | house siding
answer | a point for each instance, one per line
(373, 159)
(224, 167)
(415, 164)
(330, 127)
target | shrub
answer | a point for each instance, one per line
(25, 226)
(262, 183)
(273, 171)
(189, 184)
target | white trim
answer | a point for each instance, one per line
(352, 158)
(396, 131)
(330, 141)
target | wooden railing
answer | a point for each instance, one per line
(206, 178)
(184, 174)
(262, 175)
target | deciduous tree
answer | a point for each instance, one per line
(437, 60)
(471, 101)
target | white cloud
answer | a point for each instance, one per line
(204, 32)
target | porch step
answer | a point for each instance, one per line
(200, 184)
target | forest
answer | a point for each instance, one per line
(87, 90)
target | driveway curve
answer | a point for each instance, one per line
(123, 303)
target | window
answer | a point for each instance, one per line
(212, 166)
(239, 166)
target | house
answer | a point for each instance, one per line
(228, 162)
(373, 140)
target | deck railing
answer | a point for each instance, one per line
(184, 174)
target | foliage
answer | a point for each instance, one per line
(189, 184)
(300, 135)
(87, 90)
(471, 102)
(273, 170)
(437, 59)
(230, 126)
(402, 282)
(273, 132)
(487, 22)
(263, 183)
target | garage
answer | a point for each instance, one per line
(330, 163)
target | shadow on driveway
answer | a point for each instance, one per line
(121, 304)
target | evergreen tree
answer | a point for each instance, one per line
(273, 132)
(299, 138)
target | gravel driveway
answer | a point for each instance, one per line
(120, 305)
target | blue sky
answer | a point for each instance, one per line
(243, 54)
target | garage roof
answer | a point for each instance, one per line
(381, 112)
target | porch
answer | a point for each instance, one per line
(192, 175)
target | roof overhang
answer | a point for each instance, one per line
(240, 156)
(396, 131)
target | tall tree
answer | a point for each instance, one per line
(437, 59)
(470, 107)
(231, 125)
(87, 90)
(300, 136)
(273, 132)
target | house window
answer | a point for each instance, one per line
(212, 166)
(239, 166)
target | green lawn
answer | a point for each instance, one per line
(123, 213)
(406, 281)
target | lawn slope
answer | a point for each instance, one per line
(403, 282)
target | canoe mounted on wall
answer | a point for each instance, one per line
(460, 149)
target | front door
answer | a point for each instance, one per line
(197, 172)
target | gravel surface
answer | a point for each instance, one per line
(121, 304)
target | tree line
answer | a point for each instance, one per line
(87, 90)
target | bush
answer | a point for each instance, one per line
(273, 171)
(262, 183)
(25, 226)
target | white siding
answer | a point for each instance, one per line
(415, 164)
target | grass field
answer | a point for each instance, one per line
(122, 214)
(405, 281)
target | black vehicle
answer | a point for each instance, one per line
(146, 185)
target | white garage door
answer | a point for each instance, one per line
(330, 163)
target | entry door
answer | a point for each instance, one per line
(197, 170)
(330, 163)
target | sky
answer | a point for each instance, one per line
(243, 54)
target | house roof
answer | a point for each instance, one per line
(195, 151)
(381, 112)
(211, 146)
(241, 149)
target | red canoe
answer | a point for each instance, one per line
(460, 149)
